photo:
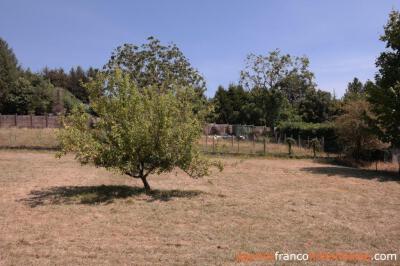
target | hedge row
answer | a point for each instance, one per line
(312, 130)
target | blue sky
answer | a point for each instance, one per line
(341, 38)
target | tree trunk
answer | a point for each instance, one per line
(146, 184)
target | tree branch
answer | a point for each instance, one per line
(149, 172)
(132, 175)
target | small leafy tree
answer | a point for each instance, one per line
(137, 131)
(290, 142)
(355, 131)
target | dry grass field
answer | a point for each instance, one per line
(56, 212)
(28, 138)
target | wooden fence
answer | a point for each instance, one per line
(30, 121)
(54, 121)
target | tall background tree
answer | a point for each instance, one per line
(56, 76)
(9, 71)
(154, 64)
(385, 95)
(317, 107)
(286, 73)
(228, 105)
(72, 81)
(355, 90)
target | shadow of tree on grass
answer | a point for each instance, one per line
(99, 194)
(346, 172)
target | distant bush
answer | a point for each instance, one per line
(290, 142)
(315, 144)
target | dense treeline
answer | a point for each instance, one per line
(49, 91)
(271, 89)
(235, 105)
(21, 91)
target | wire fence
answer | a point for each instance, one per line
(46, 138)
(230, 144)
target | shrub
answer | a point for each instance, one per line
(315, 144)
(290, 142)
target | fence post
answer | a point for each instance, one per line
(232, 143)
(238, 145)
(15, 118)
(0, 120)
(253, 150)
(299, 140)
(47, 120)
(31, 120)
(207, 142)
(264, 146)
(213, 144)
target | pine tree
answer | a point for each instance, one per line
(9, 70)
